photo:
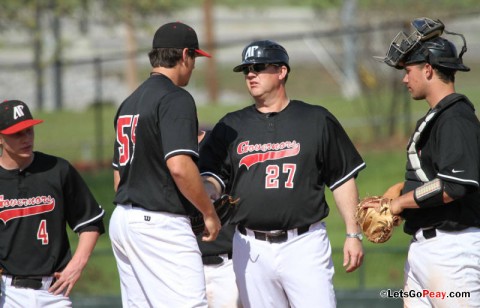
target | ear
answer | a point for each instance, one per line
(428, 69)
(185, 54)
(284, 72)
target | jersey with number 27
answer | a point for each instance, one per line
(279, 164)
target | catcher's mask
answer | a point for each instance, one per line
(265, 51)
(424, 44)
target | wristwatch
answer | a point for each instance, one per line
(355, 235)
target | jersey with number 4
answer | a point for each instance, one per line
(279, 164)
(35, 206)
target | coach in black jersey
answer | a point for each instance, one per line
(157, 181)
(441, 198)
(39, 195)
(277, 156)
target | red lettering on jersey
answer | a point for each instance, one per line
(252, 159)
(245, 147)
(25, 207)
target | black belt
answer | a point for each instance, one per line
(277, 237)
(428, 233)
(34, 282)
(215, 259)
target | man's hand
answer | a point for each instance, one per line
(66, 279)
(212, 227)
(352, 254)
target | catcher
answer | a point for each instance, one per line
(375, 217)
(441, 197)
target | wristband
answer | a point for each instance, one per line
(429, 194)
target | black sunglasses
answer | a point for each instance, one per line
(257, 68)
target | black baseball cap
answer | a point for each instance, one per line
(177, 35)
(15, 116)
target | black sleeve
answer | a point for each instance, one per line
(456, 190)
(342, 160)
(214, 158)
(82, 209)
(457, 152)
(177, 120)
(96, 226)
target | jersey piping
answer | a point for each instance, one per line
(354, 171)
(88, 221)
(176, 152)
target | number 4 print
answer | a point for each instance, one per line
(273, 172)
(126, 126)
(42, 233)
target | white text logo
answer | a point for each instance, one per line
(250, 52)
(18, 112)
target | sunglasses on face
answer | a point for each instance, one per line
(257, 68)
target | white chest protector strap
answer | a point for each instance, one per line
(412, 151)
(431, 192)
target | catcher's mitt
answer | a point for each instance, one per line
(377, 222)
(224, 206)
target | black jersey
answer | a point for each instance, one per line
(156, 122)
(279, 164)
(35, 206)
(447, 145)
(223, 243)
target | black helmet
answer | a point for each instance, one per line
(263, 52)
(439, 52)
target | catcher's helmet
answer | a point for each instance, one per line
(439, 52)
(265, 51)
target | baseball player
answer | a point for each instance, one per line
(441, 198)
(39, 195)
(221, 287)
(278, 156)
(157, 181)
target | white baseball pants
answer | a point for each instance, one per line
(222, 291)
(158, 259)
(295, 273)
(449, 262)
(13, 297)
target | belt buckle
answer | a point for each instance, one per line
(276, 236)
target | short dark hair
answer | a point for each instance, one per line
(445, 75)
(167, 57)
